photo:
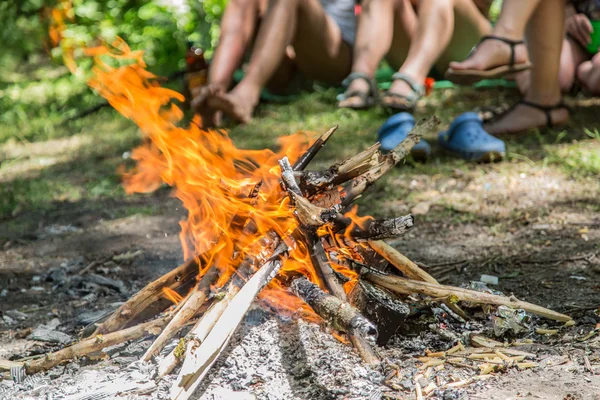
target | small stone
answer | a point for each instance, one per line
(15, 314)
(44, 334)
(37, 289)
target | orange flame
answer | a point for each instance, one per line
(211, 177)
(172, 295)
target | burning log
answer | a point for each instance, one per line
(382, 307)
(150, 294)
(317, 181)
(408, 286)
(189, 307)
(376, 229)
(338, 314)
(201, 356)
(199, 332)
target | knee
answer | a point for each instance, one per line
(588, 74)
(566, 80)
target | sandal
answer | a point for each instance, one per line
(470, 76)
(366, 99)
(410, 100)
(546, 109)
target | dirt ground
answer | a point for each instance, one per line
(536, 229)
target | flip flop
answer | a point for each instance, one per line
(467, 138)
(410, 100)
(471, 76)
(395, 130)
(367, 99)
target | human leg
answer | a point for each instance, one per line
(384, 28)
(544, 34)
(588, 74)
(446, 31)
(237, 30)
(511, 25)
(320, 52)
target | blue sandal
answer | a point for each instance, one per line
(395, 130)
(467, 138)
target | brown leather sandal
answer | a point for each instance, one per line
(470, 76)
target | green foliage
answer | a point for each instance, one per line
(161, 28)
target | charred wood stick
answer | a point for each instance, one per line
(96, 343)
(364, 181)
(408, 286)
(340, 315)
(317, 181)
(189, 307)
(409, 268)
(203, 327)
(319, 258)
(323, 267)
(152, 292)
(199, 332)
(376, 229)
(311, 216)
(310, 153)
(201, 356)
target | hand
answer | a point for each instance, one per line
(201, 94)
(580, 28)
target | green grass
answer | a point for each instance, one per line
(34, 110)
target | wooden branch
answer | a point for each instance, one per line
(361, 183)
(408, 286)
(409, 269)
(152, 292)
(201, 356)
(310, 153)
(313, 182)
(340, 315)
(200, 331)
(375, 229)
(323, 267)
(96, 343)
(188, 308)
(325, 271)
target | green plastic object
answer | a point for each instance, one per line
(594, 44)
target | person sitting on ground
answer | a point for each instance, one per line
(578, 60)
(414, 36)
(313, 37)
(542, 23)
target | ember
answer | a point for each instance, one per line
(256, 220)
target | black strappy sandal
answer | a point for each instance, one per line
(367, 99)
(470, 76)
(546, 109)
(409, 101)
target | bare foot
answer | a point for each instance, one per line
(522, 118)
(490, 54)
(236, 104)
(356, 86)
(199, 103)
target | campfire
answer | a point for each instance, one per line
(261, 224)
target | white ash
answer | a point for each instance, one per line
(268, 358)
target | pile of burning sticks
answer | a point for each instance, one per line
(355, 272)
